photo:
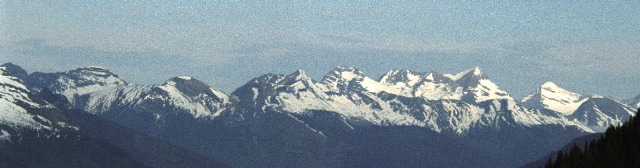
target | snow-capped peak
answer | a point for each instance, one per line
(185, 77)
(298, 79)
(401, 82)
(550, 96)
(477, 87)
(76, 82)
(342, 73)
(475, 72)
(172, 81)
(551, 86)
(191, 87)
(406, 77)
(338, 79)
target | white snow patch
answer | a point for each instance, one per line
(433, 91)
(430, 77)
(255, 93)
(488, 90)
(4, 135)
(557, 99)
(185, 77)
(12, 91)
(97, 67)
(373, 86)
(305, 124)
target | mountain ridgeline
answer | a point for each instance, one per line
(41, 130)
(35, 134)
(403, 119)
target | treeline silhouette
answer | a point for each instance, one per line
(618, 147)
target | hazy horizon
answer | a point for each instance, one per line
(587, 47)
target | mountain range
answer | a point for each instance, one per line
(35, 134)
(402, 119)
(41, 130)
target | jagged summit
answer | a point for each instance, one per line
(343, 89)
(299, 79)
(408, 77)
(338, 79)
(338, 70)
(476, 71)
(345, 71)
(471, 73)
(266, 78)
(346, 100)
(469, 76)
(476, 86)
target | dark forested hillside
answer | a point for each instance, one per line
(618, 147)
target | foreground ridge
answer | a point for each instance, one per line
(617, 148)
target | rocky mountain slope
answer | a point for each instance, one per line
(34, 133)
(41, 130)
(281, 120)
(593, 111)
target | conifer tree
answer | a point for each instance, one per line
(619, 147)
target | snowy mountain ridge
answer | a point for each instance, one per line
(551, 96)
(472, 85)
(452, 103)
(184, 93)
(593, 111)
(16, 105)
(272, 110)
(349, 92)
(74, 83)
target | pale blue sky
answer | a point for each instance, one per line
(585, 47)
